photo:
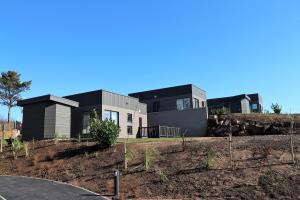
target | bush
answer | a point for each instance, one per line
(276, 108)
(105, 133)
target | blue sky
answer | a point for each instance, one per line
(225, 47)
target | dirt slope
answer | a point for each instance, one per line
(261, 168)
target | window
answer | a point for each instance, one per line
(183, 104)
(196, 103)
(129, 117)
(203, 104)
(129, 130)
(254, 106)
(111, 115)
(156, 106)
(140, 122)
(86, 123)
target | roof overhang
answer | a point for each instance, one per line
(50, 98)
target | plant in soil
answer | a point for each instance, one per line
(17, 146)
(129, 155)
(104, 133)
(55, 139)
(210, 159)
(149, 156)
(163, 177)
(26, 149)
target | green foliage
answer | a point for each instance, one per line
(163, 177)
(26, 149)
(11, 88)
(276, 108)
(17, 145)
(105, 133)
(149, 156)
(129, 155)
(56, 139)
(210, 159)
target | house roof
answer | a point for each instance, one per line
(232, 98)
(50, 98)
(165, 92)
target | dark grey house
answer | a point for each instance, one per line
(244, 103)
(45, 116)
(234, 104)
(182, 106)
(256, 103)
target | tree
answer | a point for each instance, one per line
(10, 89)
(276, 108)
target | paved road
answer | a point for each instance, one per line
(22, 188)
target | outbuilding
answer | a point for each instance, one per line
(46, 116)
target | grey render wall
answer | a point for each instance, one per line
(33, 121)
(194, 120)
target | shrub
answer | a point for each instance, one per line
(26, 149)
(17, 145)
(276, 108)
(149, 156)
(129, 155)
(55, 139)
(163, 177)
(105, 133)
(210, 159)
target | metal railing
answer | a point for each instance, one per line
(159, 131)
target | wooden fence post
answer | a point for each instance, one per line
(2, 138)
(230, 145)
(291, 141)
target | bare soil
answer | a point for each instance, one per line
(262, 168)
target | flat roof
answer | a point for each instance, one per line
(168, 91)
(237, 97)
(46, 98)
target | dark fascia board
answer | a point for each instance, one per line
(175, 90)
(238, 97)
(48, 97)
(100, 92)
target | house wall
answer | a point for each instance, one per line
(50, 120)
(194, 120)
(33, 121)
(245, 105)
(63, 121)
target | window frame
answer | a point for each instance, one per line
(110, 116)
(129, 127)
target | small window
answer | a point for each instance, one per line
(203, 104)
(254, 106)
(140, 122)
(196, 103)
(129, 117)
(129, 130)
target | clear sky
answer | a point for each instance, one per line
(225, 47)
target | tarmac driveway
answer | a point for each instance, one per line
(23, 188)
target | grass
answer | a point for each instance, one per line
(147, 140)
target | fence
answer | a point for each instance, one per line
(159, 131)
(9, 130)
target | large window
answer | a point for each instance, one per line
(86, 123)
(196, 103)
(111, 115)
(183, 104)
(254, 106)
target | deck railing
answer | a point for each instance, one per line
(159, 131)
